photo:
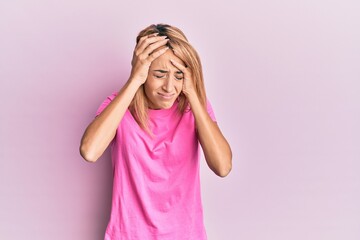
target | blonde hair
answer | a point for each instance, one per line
(178, 43)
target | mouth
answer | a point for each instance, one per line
(166, 96)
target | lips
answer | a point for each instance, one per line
(166, 95)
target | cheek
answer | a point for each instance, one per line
(179, 84)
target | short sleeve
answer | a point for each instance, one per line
(105, 103)
(210, 110)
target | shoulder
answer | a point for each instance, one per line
(105, 103)
(210, 110)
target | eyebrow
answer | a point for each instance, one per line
(163, 71)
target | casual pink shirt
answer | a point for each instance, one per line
(156, 183)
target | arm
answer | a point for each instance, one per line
(216, 149)
(102, 129)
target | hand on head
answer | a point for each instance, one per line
(188, 83)
(146, 50)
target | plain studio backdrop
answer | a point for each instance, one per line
(284, 81)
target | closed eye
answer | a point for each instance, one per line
(178, 78)
(159, 76)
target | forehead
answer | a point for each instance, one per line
(163, 61)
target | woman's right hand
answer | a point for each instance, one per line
(142, 58)
(102, 130)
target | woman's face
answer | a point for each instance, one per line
(164, 82)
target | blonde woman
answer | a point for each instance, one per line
(155, 125)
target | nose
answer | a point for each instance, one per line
(168, 85)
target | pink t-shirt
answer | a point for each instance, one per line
(156, 182)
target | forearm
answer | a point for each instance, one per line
(216, 149)
(102, 129)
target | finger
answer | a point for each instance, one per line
(148, 42)
(157, 53)
(154, 46)
(145, 37)
(179, 66)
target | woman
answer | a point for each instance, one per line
(154, 125)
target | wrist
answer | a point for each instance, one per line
(135, 82)
(131, 86)
(190, 95)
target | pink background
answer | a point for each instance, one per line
(282, 76)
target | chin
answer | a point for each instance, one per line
(167, 105)
(164, 105)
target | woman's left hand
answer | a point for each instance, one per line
(216, 149)
(188, 82)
